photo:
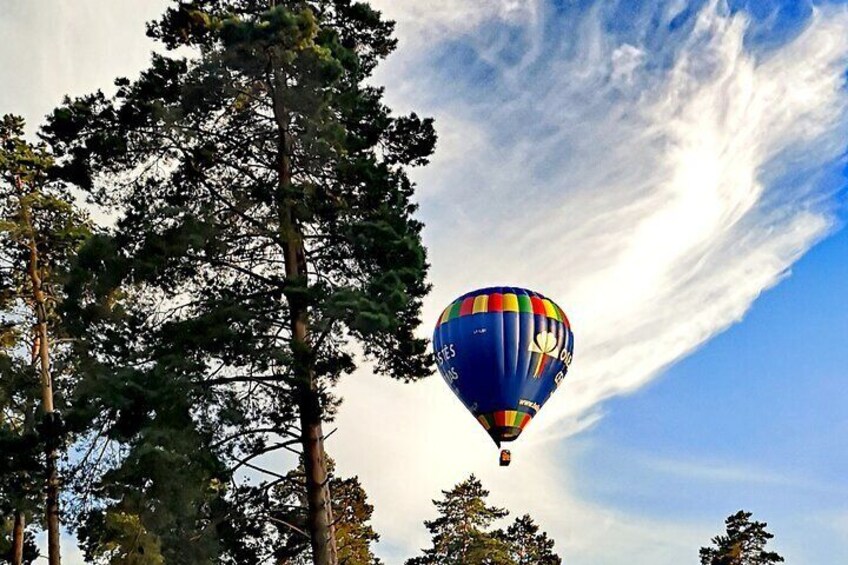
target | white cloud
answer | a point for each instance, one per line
(55, 48)
(449, 16)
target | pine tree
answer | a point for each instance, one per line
(151, 485)
(527, 545)
(21, 469)
(743, 544)
(461, 533)
(351, 512)
(27, 549)
(40, 231)
(267, 218)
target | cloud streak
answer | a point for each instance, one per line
(654, 188)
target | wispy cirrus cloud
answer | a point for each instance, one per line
(436, 18)
(654, 202)
(654, 178)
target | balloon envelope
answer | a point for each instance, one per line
(503, 351)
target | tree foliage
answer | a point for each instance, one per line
(463, 533)
(527, 545)
(265, 225)
(40, 231)
(351, 511)
(744, 543)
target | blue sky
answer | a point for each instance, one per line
(756, 419)
(672, 174)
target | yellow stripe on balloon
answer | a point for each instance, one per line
(538, 368)
(481, 304)
(550, 309)
(510, 302)
(445, 315)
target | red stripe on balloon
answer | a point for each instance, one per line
(538, 306)
(467, 306)
(496, 302)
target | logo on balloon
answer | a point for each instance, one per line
(546, 344)
(534, 406)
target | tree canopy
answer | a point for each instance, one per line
(744, 543)
(464, 534)
(41, 230)
(265, 232)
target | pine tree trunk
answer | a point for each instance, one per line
(319, 508)
(52, 487)
(54, 550)
(18, 539)
(43, 351)
(320, 516)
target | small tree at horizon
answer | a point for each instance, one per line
(744, 543)
(463, 533)
(529, 546)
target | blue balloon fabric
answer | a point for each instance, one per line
(503, 351)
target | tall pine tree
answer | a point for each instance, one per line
(40, 231)
(266, 217)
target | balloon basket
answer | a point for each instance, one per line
(506, 457)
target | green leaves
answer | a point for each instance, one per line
(40, 231)
(129, 542)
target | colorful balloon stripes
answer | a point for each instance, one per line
(503, 302)
(504, 418)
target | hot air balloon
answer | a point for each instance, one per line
(503, 351)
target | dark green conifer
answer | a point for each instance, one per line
(462, 533)
(265, 225)
(527, 545)
(743, 544)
